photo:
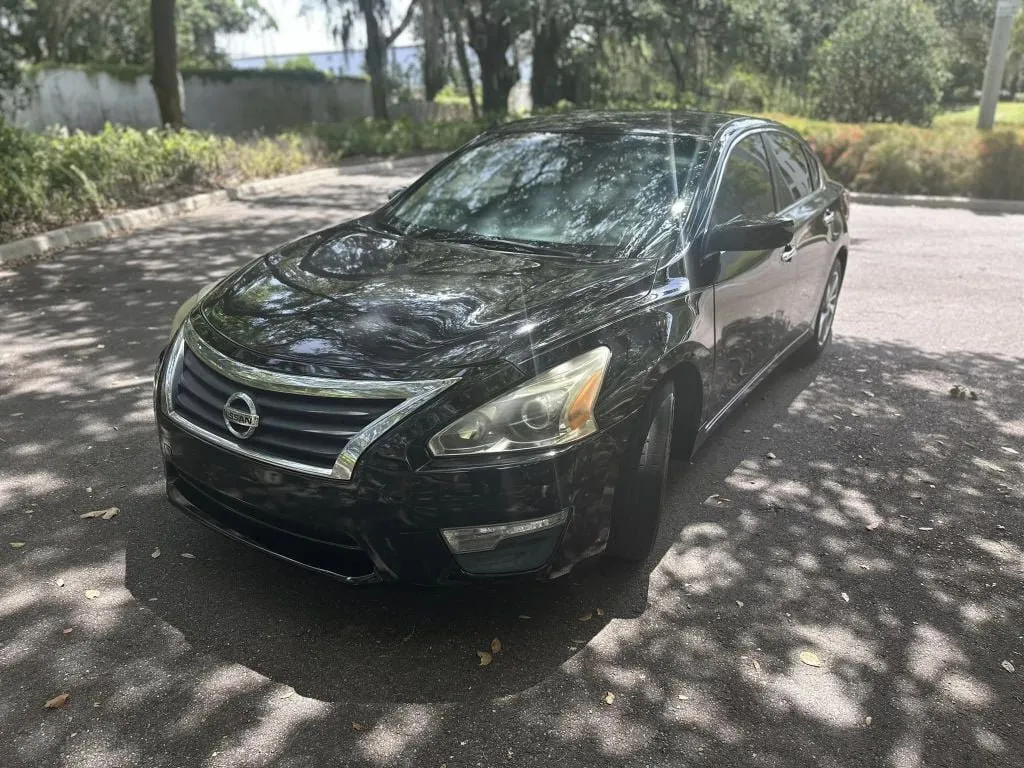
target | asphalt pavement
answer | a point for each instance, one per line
(883, 543)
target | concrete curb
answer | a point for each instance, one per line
(925, 201)
(31, 248)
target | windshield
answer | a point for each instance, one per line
(569, 189)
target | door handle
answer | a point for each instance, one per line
(788, 252)
(829, 217)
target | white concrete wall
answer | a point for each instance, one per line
(232, 103)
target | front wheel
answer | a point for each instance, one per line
(636, 513)
(812, 350)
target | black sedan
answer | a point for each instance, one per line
(485, 377)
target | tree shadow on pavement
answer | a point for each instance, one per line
(885, 537)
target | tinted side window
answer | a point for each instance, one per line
(746, 188)
(812, 163)
(795, 177)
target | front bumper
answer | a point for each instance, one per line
(385, 525)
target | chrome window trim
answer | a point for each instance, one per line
(413, 394)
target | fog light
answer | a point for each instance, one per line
(483, 538)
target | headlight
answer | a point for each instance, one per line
(554, 408)
(184, 309)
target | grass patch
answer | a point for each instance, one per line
(1008, 114)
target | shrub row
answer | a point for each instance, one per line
(900, 159)
(399, 137)
(56, 179)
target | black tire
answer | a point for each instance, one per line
(636, 510)
(822, 333)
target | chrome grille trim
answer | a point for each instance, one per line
(414, 394)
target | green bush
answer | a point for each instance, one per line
(900, 159)
(60, 178)
(886, 62)
(377, 137)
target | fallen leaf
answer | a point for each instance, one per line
(67, 631)
(599, 611)
(586, 616)
(757, 665)
(1008, 666)
(287, 695)
(485, 658)
(770, 455)
(155, 553)
(98, 513)
(810, 659)
(609, 698)
(358, 727)
(17, 544)
(716, 500)
(188, 555)
(872, 525)
(58, 701)
(92, 594)
(846, 597)
(495, 645)
(739, 603)
(868, 393)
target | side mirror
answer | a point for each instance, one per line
(749, 234)
(395, 192)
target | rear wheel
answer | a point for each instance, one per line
(636, 512)
(812, 350)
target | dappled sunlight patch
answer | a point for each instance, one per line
(393, 735)
(931, 653)
(817, 694)
(702, 569)
(27, 484)
(212, 691)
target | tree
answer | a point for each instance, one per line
(165, 63)
(492, 27)
(10, 49)
(375, 16)
(455, 21)
(119, 33)
(969, 27)
(886, 62)
(431, 28)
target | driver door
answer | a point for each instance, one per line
(752, 289)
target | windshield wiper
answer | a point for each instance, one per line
(501, 243)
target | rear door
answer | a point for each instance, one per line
(752, 288)
(800, 192)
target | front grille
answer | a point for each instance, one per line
(297, 428)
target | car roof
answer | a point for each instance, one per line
(702, 125)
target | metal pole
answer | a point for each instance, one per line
(998, 48)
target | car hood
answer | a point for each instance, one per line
(361, 300)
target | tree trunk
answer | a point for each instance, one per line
(376, 61)
(433, 48)
(546, 80)
(467, 73)
(490, 38)
(165, 63)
